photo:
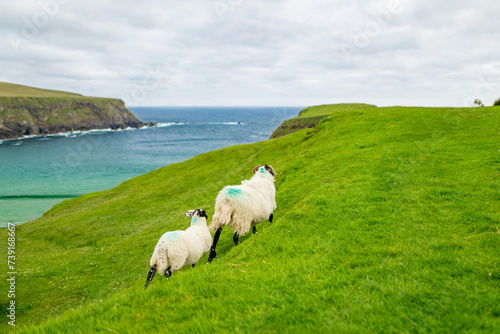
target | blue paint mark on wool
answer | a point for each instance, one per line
(194, 220)
(172, 236)
(234, 192)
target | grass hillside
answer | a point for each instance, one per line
(311, 116)
(14, 90)
(388, 220)
(328, 109)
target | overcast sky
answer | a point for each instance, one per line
(256, 52)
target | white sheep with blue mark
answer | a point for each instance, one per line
(244, 206)
(176, 249)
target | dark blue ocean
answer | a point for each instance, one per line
(39, 172)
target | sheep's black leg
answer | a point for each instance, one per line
(271, 218)
(168, 272)
(214, 244)
(194, 264)
(235, 238)
(151, 274)
(254, 229)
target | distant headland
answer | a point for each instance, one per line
(33, 111)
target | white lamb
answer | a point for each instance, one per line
(244, 206)
(176, 249)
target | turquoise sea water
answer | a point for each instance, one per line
(39, 172)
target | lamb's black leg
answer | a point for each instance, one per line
(194, 264)
(254, 229)
(271, 218)
(235, 238)
(168, 272)
(151, 274)
(214, 244)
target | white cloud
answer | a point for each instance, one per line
(256, 52)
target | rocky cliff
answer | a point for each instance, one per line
(20, 116)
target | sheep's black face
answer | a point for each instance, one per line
(270, 169)
(263, 169)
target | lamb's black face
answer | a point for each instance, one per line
(197, 213)
(200, 213)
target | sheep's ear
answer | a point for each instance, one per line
(255, 168)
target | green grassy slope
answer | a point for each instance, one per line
(14, 90)
(311, 116)
(328, 109)
(388, 220)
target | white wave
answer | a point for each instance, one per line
(224, 123)
(28, 137)
(101, 131)
(73, 134)
(68, 134)
(164, 125)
